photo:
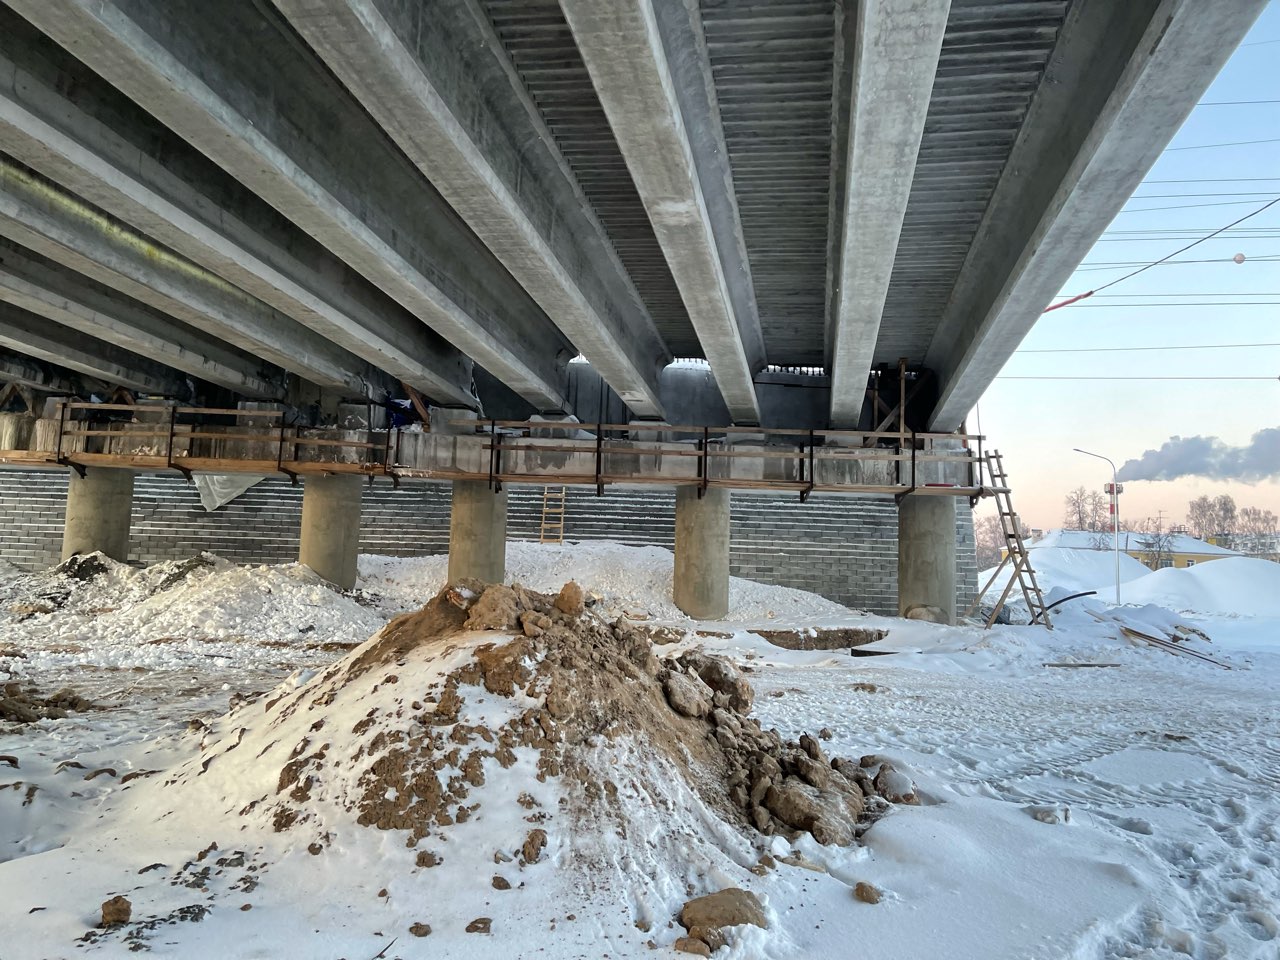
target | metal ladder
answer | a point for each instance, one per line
(1015, 551)
(553, 507)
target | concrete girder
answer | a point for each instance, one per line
(284, 127)
(25, 371)
(892, 56)
(36, 337)
(39, 286)
(1121, 80)
(42, 217)
(649, 66)
(45, 128)
(422, 72)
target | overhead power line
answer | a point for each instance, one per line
(1134, 273)
(1206, 303)
(1004, 377)
(1189, 206)
(1232, 103)
(1229, 143)
(1122, 264)
(1187, 293)
(1220, 180)
(1185, 346)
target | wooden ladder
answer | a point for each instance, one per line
(553, 506)
(1015, 552)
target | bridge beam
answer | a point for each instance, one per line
(67, 125)
(36, 337)
(1120, 82)
(443, 92)
(49, 378)
(42, 217)
(287, 130)
(892, 49)
(39, 286)
(649, 66)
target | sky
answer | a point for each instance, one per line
(1189, 192)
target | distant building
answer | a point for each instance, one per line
(1156, 550)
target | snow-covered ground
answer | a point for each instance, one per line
(1125, 806)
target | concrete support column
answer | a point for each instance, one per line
(99, 505)
(477, 532)
(701, 585)
(330, 539)
(927, 556)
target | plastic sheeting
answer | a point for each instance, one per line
(217, 490)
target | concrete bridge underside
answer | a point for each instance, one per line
(831, 213)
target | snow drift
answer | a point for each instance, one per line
(1234, 586)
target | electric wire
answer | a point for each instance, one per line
(1229, 143)
(1134, 273)
(1082, 377)
(1185, 346)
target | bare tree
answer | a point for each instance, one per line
(1155, 543)
(1202, 518)
(1256, 533)
(988, 540)
(1224, 509)
(1099, 505)
(1076, 514)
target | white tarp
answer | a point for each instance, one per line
(217, 490)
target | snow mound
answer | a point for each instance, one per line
(1068, 571)
(465, 757)
(631, 580)
(171, 610)
(1233, 586)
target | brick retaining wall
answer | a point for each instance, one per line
(844, 548)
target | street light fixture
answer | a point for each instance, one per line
(1115, 514)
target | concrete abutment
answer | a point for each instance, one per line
(330, 538)
(927, 556)
(99, 509)
(700, 586)
(477, 532)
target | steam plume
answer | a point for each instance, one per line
(1259, 459)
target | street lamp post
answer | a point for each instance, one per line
(1115, 514)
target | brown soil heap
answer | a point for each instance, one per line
(588, 679)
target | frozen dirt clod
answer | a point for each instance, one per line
(866, 892)
(116, 911)
(27, 706)
(725, 908)
(692, 945)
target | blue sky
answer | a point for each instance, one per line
(1036, 423)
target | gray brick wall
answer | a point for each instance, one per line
(844, 548)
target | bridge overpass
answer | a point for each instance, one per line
(851, 211)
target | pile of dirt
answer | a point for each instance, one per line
(581, 678)
(522, 710)
(27, 706)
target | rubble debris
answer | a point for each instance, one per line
(116, 911)
(27, 706)
(823, 638)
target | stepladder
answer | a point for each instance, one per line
(1016, 555)
(553, 510)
